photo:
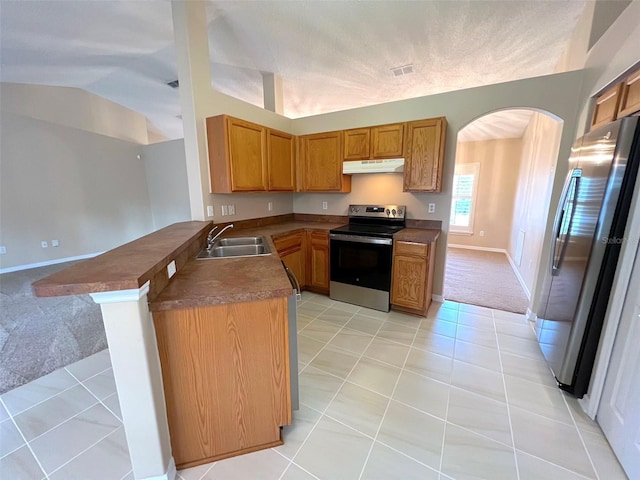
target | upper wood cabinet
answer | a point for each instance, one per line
(247, 157)
(382, 141)
(606, 108)
(630, 95)
(237, 155)
(280, 161)
(424, 155)
(320, 163)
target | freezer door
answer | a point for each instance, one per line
(561, 322)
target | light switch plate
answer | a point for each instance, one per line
(232, 209)
(225, 210)
(210, 210)
(324, 205)
(3, 250)
(270, 206)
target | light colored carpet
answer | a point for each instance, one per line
(40, 335)
(483, 278)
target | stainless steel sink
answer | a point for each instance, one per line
(223, 242)
(234, 247)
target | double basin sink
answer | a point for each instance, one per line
(236, 247)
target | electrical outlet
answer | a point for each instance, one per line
(482, 233)
(210, 210)
(55, 243)
(232, 209)
(171, 268)
(432, 208)
(324, 205)
(3, 250)
(270, 206)
(44, 244)
(225, 210)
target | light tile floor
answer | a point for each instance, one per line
(461, 394)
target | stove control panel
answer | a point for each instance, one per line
(378, 211)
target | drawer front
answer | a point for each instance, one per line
(289, 242)
(411, 249)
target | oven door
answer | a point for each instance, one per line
(361, 261)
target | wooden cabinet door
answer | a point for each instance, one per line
(606, 108)
(247, 156)
(237, 155)
(387, 141)
(292, 251)
(357, 144)
(630, 98)
(280, 161)
(225, 373)
(425, 141)
(409, 275)
(318, 267)
(322, 162)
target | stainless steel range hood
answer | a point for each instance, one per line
(389, 165)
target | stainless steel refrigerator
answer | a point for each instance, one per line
(587, 237)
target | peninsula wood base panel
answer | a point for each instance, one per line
(226, 378)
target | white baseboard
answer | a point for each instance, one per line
(470, 247)
(48, 262)
(511, 262)
(518, 276)
(437, 298)
(531, 316)
(170, 475)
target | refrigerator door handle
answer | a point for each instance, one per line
(562, 230)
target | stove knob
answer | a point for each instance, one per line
(388, 212)
(394, 212)
(399, 211)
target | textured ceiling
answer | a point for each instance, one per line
(502, 124)
(331, 55)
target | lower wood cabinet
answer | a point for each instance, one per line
(225, 370)
(412, 277)
(292, 251)
(318, 261)
(306, 253)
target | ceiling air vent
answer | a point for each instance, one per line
(403, 70)
(174, 84)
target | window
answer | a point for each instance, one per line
(463, 204)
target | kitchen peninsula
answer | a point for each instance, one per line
(200, 358)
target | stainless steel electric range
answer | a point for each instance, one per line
(361, 255)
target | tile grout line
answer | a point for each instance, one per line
(46, 475)
(446, 416)
(393, 391)
(303, 369)
(333, 398)
(506, 395)
(584, 445)
(86, 449)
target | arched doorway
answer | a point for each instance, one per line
(505, 166)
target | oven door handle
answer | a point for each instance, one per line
(361, 239)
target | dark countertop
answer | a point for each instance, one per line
(232, 280)
(197, 282)
(417, 235)
(126, 267)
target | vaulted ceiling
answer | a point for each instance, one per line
(331, 55)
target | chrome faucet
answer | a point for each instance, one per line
(211, 239)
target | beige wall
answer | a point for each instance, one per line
(86, 190)
(499, 168)
(74, 108)
(166, 174)
(531, 210)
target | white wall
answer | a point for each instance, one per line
(166, 174)
(86, 190)
(540, 144)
